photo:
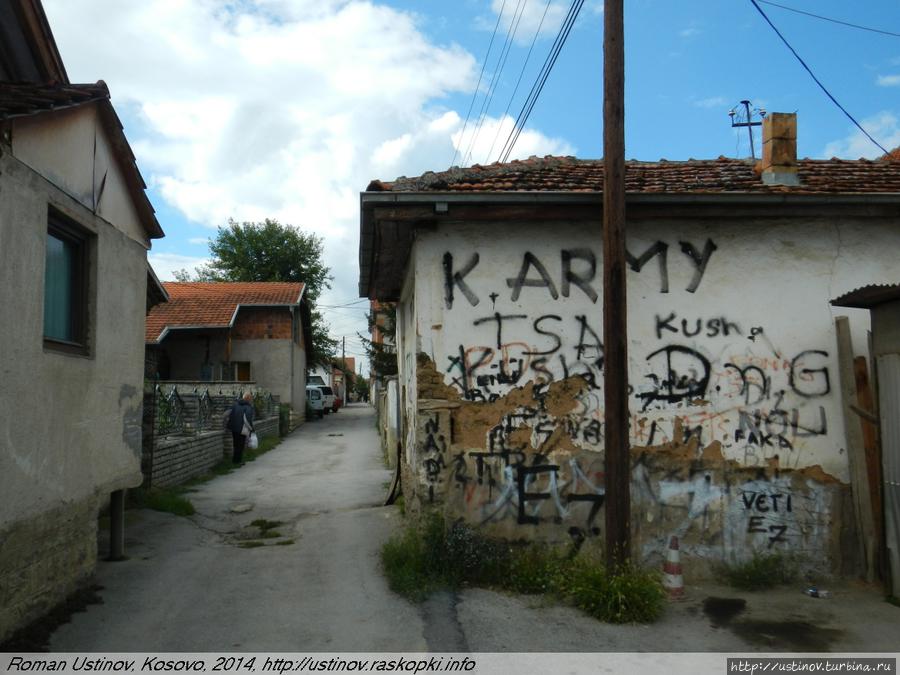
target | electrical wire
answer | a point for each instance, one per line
(816, 79)
(519, 81)
(541, 80)
(480, 75)
(826, 18)
(346, 304)
(495, 76)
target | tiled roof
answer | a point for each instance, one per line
(22, 99)
(722, 175)
(213, 304)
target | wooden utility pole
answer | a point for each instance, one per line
(615, 338)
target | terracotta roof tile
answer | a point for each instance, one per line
(213, 304)
(722, 175)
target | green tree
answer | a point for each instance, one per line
(382, 355)
(270, 251)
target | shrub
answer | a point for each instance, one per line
(419, 561)
(762, 571)
(633, 595)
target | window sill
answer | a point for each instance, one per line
(68, 348)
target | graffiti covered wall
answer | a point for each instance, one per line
(736, 429)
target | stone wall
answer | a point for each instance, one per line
(44, 559)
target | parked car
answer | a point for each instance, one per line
(316, 400)
(328, 397)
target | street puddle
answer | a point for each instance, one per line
(788, 635)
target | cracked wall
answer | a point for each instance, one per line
(736, 427)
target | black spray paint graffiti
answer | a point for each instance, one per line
(661, 249)
(478, 371)
(527, 487)
(578, 268)
(433, 449)
(767, 504)
(681, 374)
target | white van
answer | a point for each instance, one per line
(316, 400)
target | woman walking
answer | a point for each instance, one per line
(240, 423)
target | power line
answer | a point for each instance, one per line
(541, 80)
(346, 304)
(519, 81)
(816, 79)
(826, 18)
(480, 75)
(495, 76)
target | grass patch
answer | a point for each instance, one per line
(420, 561)
(251, 544)
(265, 444)
(168, 500)
(269, 534)
(286, 542)
(762, 571)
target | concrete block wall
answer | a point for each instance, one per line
(44, 559)
(177, 459)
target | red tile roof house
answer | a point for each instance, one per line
(738, 429)
(246, 332)
(75, 227)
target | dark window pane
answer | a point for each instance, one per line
(59, 287)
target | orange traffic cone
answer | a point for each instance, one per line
(673, 582)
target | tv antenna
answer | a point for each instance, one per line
(745, 119)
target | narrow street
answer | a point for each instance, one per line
(190, 586)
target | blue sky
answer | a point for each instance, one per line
(287, 108)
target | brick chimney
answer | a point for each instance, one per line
(779, 158)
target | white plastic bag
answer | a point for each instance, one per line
(252, 441)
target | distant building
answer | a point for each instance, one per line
(232, 332)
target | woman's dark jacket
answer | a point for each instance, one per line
(238, 410)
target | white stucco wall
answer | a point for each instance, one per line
(73, 425)
(61, 147)
(749, 337)
(270, 364)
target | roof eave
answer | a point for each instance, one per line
(369, 201)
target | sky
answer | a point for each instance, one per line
(287, 109)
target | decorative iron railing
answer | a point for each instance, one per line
(169, 412)
(204, 410)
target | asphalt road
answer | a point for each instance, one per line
(190, 586)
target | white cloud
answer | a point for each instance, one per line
(889, 80)
(483, 146)
(166, 264)
(689, 32)
(198, 240)
(274, 108)
(528, 17)
(711, 102)
(884, 127)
